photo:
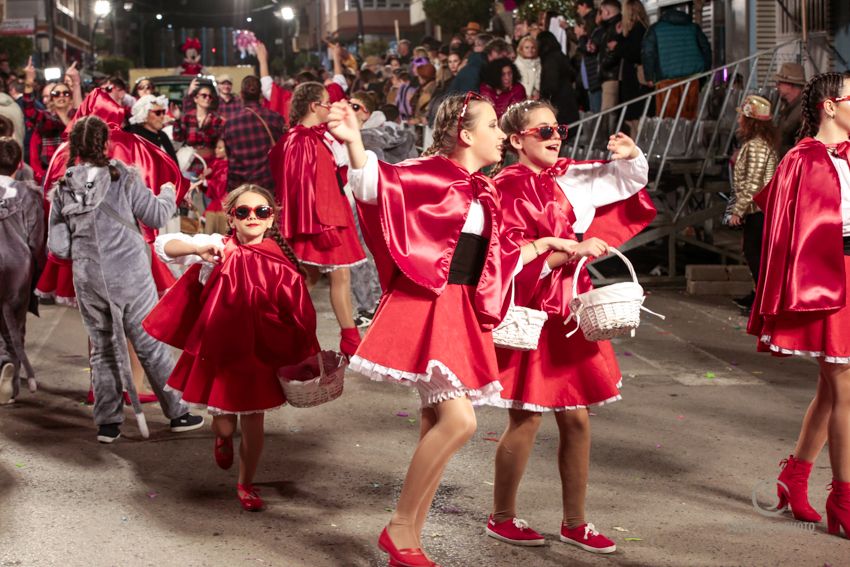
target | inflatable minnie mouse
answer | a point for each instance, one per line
(191, 65)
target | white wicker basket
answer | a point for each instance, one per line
(520, 329)
(329, 369)
(610, 311)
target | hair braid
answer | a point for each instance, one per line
(818, 89)
(514, 121)
(274, 234)
(446, 124)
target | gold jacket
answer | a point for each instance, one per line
(754, 168)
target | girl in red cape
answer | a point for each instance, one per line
(309, 170)
(543, 195)
(801, 294)
(434, 226)
(239, 313)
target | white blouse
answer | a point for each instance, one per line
(591, 185)
(843, 169)
(197, 240)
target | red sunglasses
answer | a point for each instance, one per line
(470, 96)
(262, 212)
(546, 132)
(836, 100)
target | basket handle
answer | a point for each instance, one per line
(321, 364)
(610, 249)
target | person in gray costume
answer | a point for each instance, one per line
(93, 221)
(21, 255)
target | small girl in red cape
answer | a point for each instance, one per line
(433, 225)
(801, 294)
(239, 313)
(543, 195)
(309, 169)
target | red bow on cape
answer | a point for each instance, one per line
(254, 302)
(801, 267)
(415, 226)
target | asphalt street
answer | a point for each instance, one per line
(676, 467)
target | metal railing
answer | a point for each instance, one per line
(687, 155)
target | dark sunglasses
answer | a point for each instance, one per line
(160, 112)
(204, 95)
(57, 94)
(145, 87)
(470, 96)
(546, 132)
(262, 212)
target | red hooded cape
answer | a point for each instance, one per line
(534, 206)
(254, 302)
(801, 268)
(280, 102)
(306, 184)
(422, 206)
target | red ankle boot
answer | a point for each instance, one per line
(838, 508)
(792, 487)
(349, 341)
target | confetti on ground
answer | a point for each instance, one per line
(435, 536)
(388, 509)
(757, 372)
(633, 539)
(658, 445)
(411, 420)
(153, 495)
(710, 375)
(619, 529)
(20, 465)
(450, 510)
(590, 413)
(680, 417)
(492, 433)
(495, 439)
(402, 414)
(626, 353)
(376, 485)
(488, 483)
(294, 429)
(333, 525)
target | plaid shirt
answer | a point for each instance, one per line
(188, 131)
(226, 110)
(248, 145)
(48, 125)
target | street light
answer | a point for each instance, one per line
(287, 13)
(101, 10)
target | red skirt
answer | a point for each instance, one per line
(338, 247)
(241, 386)
(562, 374)
(432, 342)
(57, 281)
(816, 334)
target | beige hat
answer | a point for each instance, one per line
(756, 107)
(792, 73)
(224, 78)
(472, 26)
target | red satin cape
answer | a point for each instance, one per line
(801, 268)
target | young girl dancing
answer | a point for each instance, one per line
(546, 196)
(239, 313)
(434, 227)
(802, 289)
(309, 168)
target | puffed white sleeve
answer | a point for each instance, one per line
(196, 239)
(364, 182)
(604, 183)
(266, 87)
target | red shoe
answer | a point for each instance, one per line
(223, 458)
(792, 487)
(412, 557)
(514, 531)
(838, 508)
(349, 341)
(586, 537)
(249, 498)
(90, 396)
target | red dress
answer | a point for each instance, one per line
(252, 316)
(801, 299)
(156, 169)
(316, 218)
(562, 373)
(427, 331)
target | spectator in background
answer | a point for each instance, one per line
(424, 95)
(229, 104)
(147, 121)
(471, 33)
(674, 49)
(200, 127)
(589, 37)
(10, 109)
(403, 94)
(469, 76)
(610, 61)
(528, 64)
(117, 89)
(497, 49)
(404, 52)
(557, 78)
(790, 81)
(632, 83)
(143, 87)
(390, 142)
(501, 83)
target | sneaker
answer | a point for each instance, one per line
(514, 531)
(586, 537)
(108, 432)
(186, 422)
(364, 319)
(7, 383)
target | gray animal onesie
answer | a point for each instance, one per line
(21, 252)
(93, 222)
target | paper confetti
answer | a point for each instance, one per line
(402, 414)
(710, 375)
(20, 465)
(411, 420)
(633, 539)
(152, 495)
(658, 445)
(680, 417)
(619, 529)
(495, 439)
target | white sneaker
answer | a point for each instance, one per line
(7, 383)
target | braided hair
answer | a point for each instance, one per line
(818, 89)
(446, 124)
(514, 121)
(88, 143)
(274, 231)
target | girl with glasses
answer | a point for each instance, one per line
(200, 127)
(802, 291)
(239, 313)
(434, 227)
(544, 195)
(309, 168)
(143, 87)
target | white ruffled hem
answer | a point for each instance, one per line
(327, 268)
(214, 410)
(830, 359)
(455, 388)
(525, 406)
(66, 301)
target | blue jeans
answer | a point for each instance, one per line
(595, 100)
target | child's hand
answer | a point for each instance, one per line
(735, 220)
(210, 253)
(342, 122)
(622, 147)
(592, 247)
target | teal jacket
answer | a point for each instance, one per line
(674, 47)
